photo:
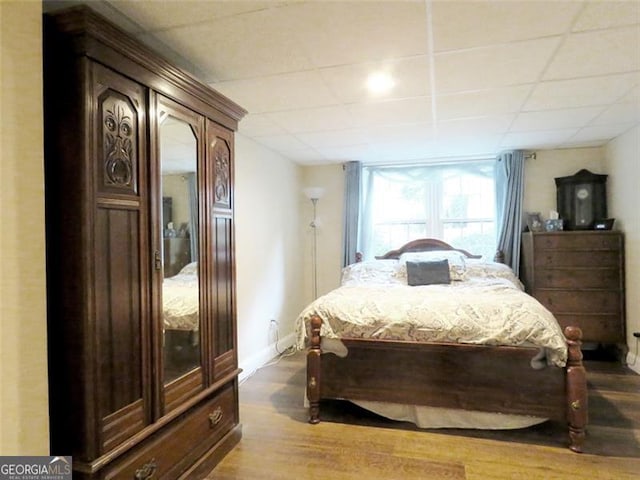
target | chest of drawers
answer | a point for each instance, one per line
(579, 277)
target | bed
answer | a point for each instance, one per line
(476, 347)
(181, 321)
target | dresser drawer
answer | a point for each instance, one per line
(585, 241)
(595, 328)
(585, 301)
(564, 258)
(606, 278)
(172, 450)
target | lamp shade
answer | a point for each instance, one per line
(314, 193)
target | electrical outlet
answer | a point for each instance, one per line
(636, 334)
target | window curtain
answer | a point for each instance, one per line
(193, 213)
(509, 193)
(353, 172)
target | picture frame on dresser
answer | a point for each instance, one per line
(534, 222)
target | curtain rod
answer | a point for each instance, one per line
(441, 161)
(428, 162)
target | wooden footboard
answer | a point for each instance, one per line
(468, 377)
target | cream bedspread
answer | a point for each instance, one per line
(180, 302)
(487, 307)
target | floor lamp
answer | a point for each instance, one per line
(314, 194)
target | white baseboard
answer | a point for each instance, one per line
(259, 359)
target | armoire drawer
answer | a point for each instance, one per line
(585, 301)
(589, 241)
(607, 278)
(595, 328)
(563, 258)
(175, 447)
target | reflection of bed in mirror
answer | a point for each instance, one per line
(180, 304)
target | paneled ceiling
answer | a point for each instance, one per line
(471, 78)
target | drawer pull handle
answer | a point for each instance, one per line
(215, 417)
(147, 471)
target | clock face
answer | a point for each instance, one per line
(582, 193)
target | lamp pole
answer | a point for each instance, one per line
(313, 225)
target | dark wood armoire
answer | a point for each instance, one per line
(142, 359)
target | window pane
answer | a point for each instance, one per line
(455, 203)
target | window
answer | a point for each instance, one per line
(453, 202)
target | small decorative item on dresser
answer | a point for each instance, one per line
(534, 222)
(604, 224)
(553, 225)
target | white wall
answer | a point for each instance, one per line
(24, 416)
(269, 250)
(330, 213)
(623, 189)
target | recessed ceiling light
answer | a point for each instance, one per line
(380, 82)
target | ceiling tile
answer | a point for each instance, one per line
(346, 153)
(334, 138)
(284, 142)
(539, 139)
(243, 46)
(632, 96)
(348, 82)
(258, 125)
(314, 119)
(470, 146)
(401, 134)
(412, 110)
(549, 119)
(459, 24)
(610, 51)
(608, 14)
(278, 92)
(602, 132)
(482, 102)
(619, 113)
(305, 156)
(506, 74)
(474, 126)
(561, 94)
(338, 33)
(163, 14)
(490, 67)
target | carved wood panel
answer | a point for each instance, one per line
(119, 121)
(119, 142)
(220, 158)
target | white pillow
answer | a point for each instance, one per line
(485, 269)
(457, 261)
(189, 269)
(373, 272)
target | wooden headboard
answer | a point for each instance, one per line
(424, 245)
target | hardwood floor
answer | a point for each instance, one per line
(351, 443)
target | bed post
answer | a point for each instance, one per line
(577, 407)
(313, 371)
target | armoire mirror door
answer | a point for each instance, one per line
(178, 237)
